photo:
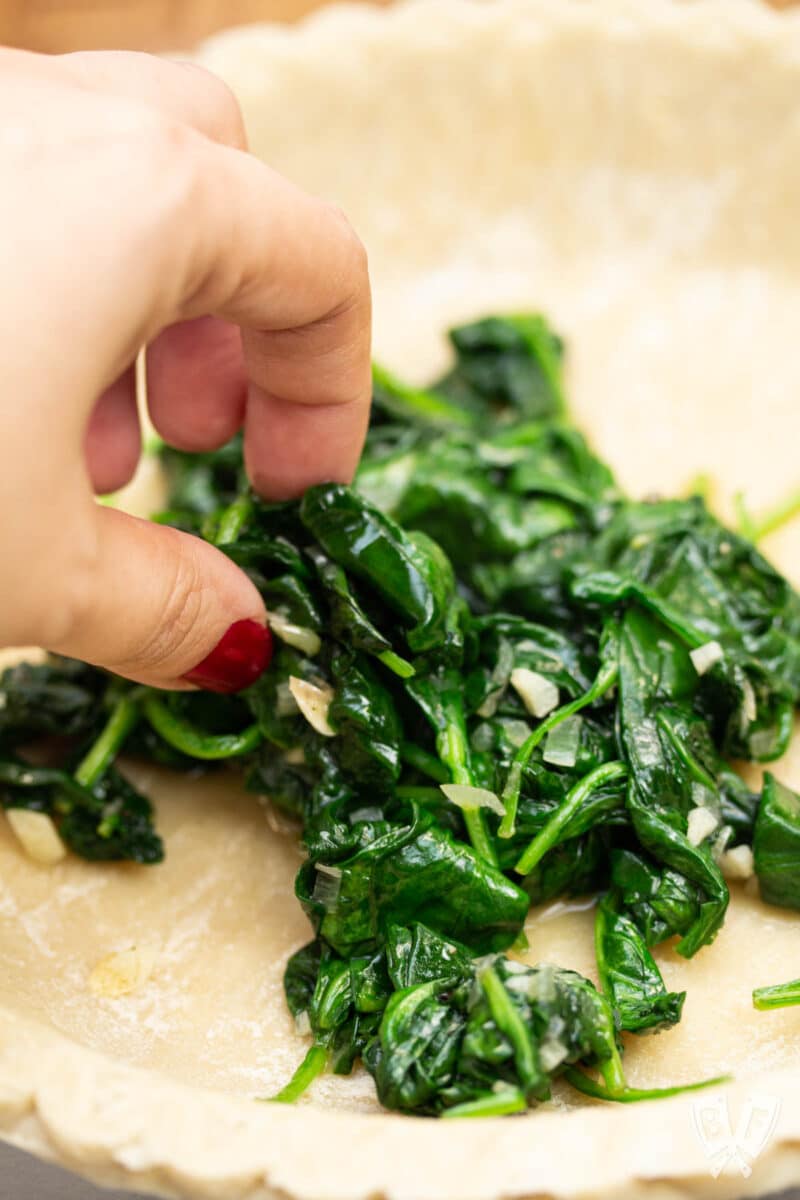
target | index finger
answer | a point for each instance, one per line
(288, 268)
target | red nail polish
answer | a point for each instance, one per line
(236, 661)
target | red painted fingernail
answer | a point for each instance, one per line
(236, 661)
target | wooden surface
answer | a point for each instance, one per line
(57, 25)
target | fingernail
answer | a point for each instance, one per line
(237, 660)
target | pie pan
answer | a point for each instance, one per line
(632, 169)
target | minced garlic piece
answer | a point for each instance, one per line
(37, 835)
(124, 972)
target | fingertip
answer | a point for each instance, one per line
(290, 447)
(239, 658)
(157, 602)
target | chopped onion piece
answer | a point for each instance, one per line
(294, 635)
(313, 700)
(559, 908)
(327, 886)
(473, 797)
(519, 983)
(482, 737)
(720, 843)
(302, 1023)
(37, 835)
(122, 973)
(703, 797)
(562, 743)
(701, 824)
(543, 984)
(279, 822)
(500, 677)
(761, 743)
(296, 756)
(502, 456)
(749, 706)
(489, 706)
(705, 656)
(552, 1051)
(538, 693)
(528, 645)
(517, 732)
(737, 863)
(370, 813)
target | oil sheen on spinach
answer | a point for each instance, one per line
(532, 688)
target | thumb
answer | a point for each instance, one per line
(167, 609)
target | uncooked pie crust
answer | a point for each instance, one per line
(632, 168)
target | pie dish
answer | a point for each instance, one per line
(629, 169)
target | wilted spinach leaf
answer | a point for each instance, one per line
(497, 681)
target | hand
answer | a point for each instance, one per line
(130, 213)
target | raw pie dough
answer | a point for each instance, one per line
(631, 168)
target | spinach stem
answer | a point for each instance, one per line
(494, 1104)
(606, 678)
(423, 795)
(415, 402)
(400, 666)
(600, 953)
(701, 485)
(509, 1021)
(629, 1095)
(183, 736)
(455, 752)
(105, 749)
(612, 1069)
(774, 518)
(548, 835)
(428, 764)
(693, 765)
(233, 520)
(744, 522)
(312, 1065)
(778, 995)
(478, 834)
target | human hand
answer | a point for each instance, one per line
(130, 213)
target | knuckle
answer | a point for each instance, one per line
(354, 276)
(225, 119)
(166, 141)
(153, 145)
(163, 169)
